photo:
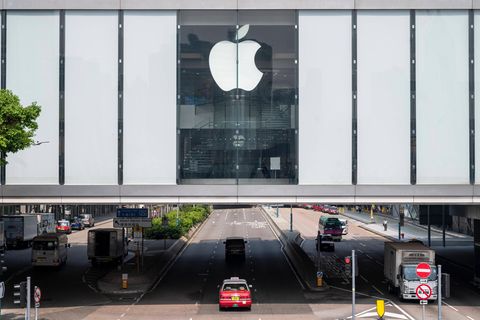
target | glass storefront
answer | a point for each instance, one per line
(237, 97)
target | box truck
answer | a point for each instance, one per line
(46, 222)
(106, 245)
(400, 263)
(20, 230)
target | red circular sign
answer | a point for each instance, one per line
(423, 270)
(37, 295)
(423, 292)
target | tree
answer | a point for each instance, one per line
(17, 123)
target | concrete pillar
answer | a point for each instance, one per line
(476, 240)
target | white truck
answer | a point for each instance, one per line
(106, 245)
(400, 262)
(20, 230)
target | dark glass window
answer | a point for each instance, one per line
(237, 97)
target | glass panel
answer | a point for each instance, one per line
(231, 122)
(383, 76)
(149, 92)
(32, 74)
(91, 78)
(442, 97)
(325, 87)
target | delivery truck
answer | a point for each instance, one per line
(400, 263)
(106, 245)
(20, 230)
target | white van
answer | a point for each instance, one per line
(50, 249)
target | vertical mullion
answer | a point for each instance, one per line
(413, 104)
(61, 104)
(3, 81)
(120, 96)
(354, 97)
(471, 87)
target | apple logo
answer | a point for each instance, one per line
(223, 63)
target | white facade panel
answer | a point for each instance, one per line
(325, 91)
(442, 97)
(91, 78)
(150, 45)
(32, 74)
(383, 107)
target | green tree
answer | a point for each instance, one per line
(17, 123)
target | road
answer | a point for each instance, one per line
(465, 300)
(189, 288)
(65, 295)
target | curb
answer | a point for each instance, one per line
(177, 246)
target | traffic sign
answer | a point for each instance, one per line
(132, 222)
(2, 290)
(37, 295)
(423, 292)
(423, 270)
(132, 213)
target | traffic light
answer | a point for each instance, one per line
(20, 293)
(3, 268)
(348, 266)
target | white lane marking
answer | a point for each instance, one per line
(226, 216)
(470, 318)
(284, 254)
(363, 245)
(122, 315)
(450, 306)
(377, 290)
(360, 250)
(363, 278)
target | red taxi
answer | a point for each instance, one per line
(235, 293)
(63, 226)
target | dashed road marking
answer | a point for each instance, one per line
(470, 318)
(363, 278)
(362, 244)
(451, 307)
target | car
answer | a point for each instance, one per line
(63, 226)
(325, 243)
(87, 220)
(234, 293)
(77, 224)
(333, 210)
(234, 248)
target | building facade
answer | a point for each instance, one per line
(245, 101)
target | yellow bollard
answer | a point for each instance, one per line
(124, 280)
(319, 279)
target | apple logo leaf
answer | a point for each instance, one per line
(242, 32)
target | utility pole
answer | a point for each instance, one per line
(439, 289)
(291, 219)
(28, 298)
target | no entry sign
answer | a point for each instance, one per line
(423, 292)
(423, 270)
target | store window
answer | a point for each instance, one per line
(237, 97)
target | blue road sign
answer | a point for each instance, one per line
(132, 213)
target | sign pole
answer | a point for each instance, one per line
(353, 284)
(439, 291)
(423, 311)
(28, 298)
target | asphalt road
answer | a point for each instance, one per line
(65, 295)
(370, 285)
(190, 289)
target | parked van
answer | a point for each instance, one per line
(50, 249)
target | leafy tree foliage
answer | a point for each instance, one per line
(17, 123)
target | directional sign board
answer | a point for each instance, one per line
(423, 292)
(132, 213)
(2, 290)
(423, 270)
(37, 295)
(132, 222)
